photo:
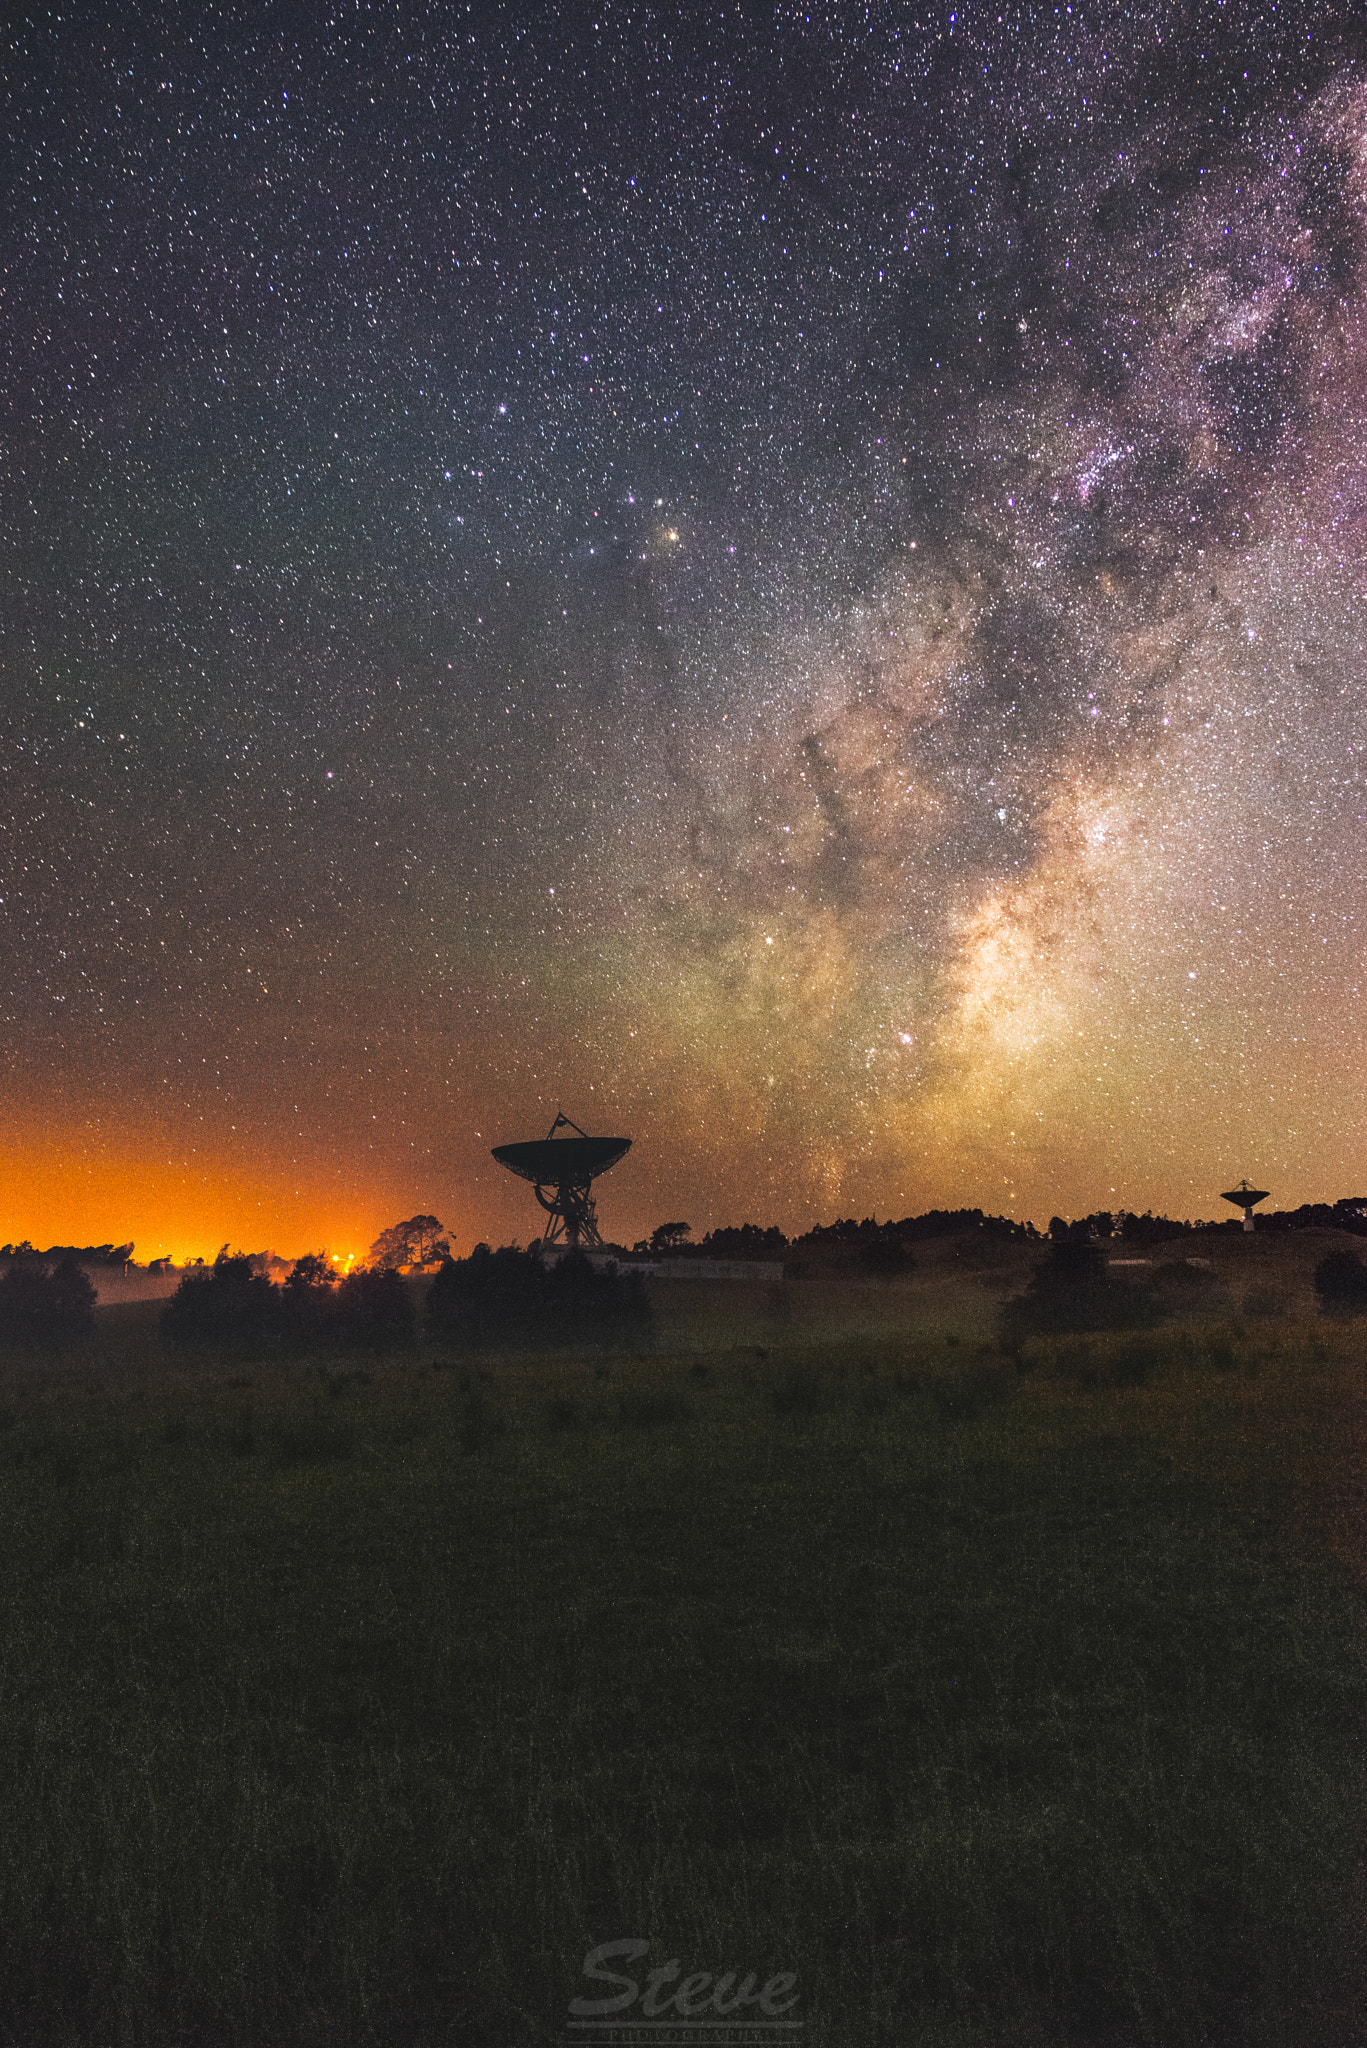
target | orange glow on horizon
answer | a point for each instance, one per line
(59, 1191)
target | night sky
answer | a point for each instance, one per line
(791, 581)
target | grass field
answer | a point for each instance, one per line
(995, 1705)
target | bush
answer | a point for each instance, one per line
(230, 1308)
(373, 1311)
(42, 1310)
(308, 1303)
(1071, 1290)
(1341, 1281)
(514, 1300)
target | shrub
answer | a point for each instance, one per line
(373, 1311)
(42, 1310)
(1341, 1280)
(308, 1303)
(514, 1300)
(1071, 1290)
(229, 1308)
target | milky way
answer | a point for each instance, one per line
(795, 582)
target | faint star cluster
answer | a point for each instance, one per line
(794, 582)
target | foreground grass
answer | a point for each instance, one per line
(356, 1709)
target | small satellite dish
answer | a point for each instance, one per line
(1246, 1198)
(562, 1171)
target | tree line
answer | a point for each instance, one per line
(515, 1298)
(508, 1299)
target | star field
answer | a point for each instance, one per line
(793, 580)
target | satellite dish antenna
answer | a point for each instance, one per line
(1246, 1198)
(563, 1170)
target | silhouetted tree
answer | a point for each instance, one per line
(1341, 1280)
(667, 1237)
(231, 1308)
(307, 1302)
(514, 1300)
(418, 1241)
(1071, 1290)
(373, 1311)
(45, 1311)
(310, 1272)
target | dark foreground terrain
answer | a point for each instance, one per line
(994, 1702)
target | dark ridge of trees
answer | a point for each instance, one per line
(744, 1241)
(1349, 1214)
(1150, 1229)
(515, 1300)
(44, 1309)
(730, 1241)
(84, 1254)
(1341, 1280)
(884, 1250)
(935, 1223)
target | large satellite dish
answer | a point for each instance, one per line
(562, 1171)
(1246, 1198)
